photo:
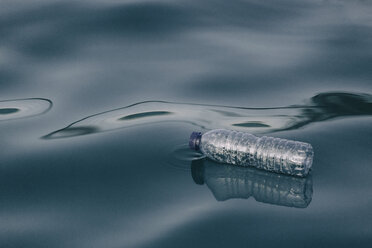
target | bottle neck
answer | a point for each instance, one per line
(194, 142)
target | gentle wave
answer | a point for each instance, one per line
(21, 108)
(321, 107)
(180, 156)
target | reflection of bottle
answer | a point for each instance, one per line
(227, 182)
(272, 154)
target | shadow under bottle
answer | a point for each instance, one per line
(231, 182)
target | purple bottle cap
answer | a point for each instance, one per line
(194, 141)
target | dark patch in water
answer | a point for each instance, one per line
(71, 132)
(145, 114)
(332, 105)
(251, 124)
(75, 22)
(140, 21)
(6, 111)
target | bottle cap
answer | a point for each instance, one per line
(194, 141)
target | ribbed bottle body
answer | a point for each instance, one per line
(268, 153)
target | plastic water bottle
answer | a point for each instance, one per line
(244, 149)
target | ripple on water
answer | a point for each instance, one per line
(180, 156)
(199, 115)
(321, 107)
(21, 108)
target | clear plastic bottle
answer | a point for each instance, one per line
(244, 149)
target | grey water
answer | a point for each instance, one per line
(98, 99)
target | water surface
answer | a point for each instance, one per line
(98, 99)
